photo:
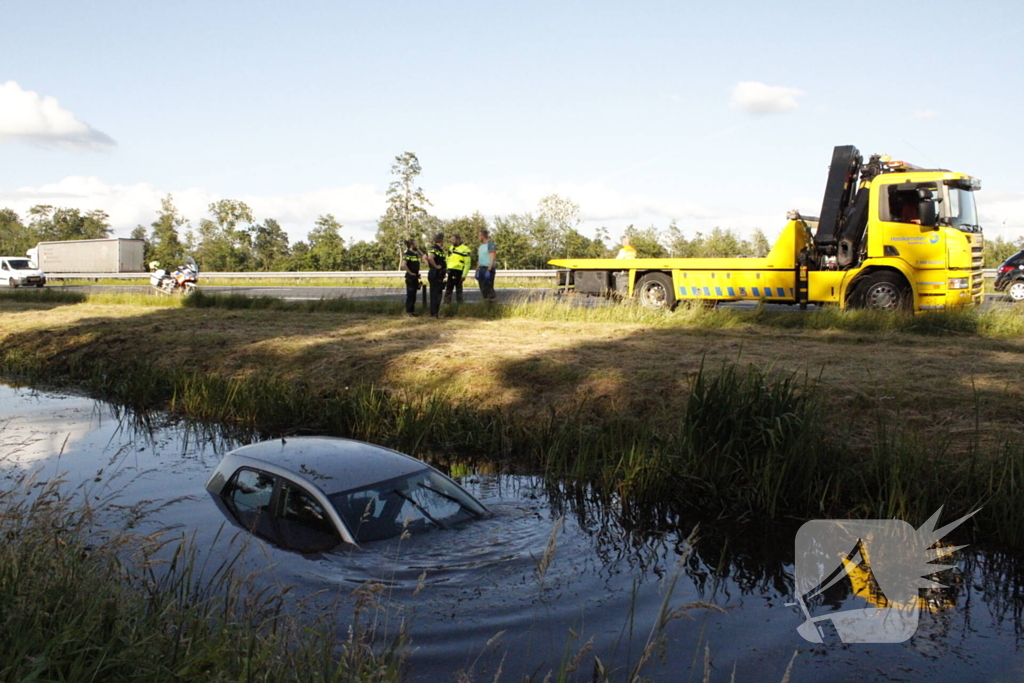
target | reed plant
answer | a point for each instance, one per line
(84, 599)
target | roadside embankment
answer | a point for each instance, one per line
(713, 412)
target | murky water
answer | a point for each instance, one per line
(475, 598)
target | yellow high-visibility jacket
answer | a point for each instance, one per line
(460, 258)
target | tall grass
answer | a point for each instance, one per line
(56, 295)
(81, 605)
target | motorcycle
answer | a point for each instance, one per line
(184, 280)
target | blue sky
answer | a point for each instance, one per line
(635, 111)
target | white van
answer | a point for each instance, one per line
(18, 271)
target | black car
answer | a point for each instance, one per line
(1010, 277)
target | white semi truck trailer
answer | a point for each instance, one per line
(116, 255)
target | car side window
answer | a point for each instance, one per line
(300, 507)
(251, 490)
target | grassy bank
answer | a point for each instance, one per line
(80, 605)
(748, 415)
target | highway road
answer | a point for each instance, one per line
(472, 294)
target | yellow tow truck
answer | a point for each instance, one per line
(890, 235)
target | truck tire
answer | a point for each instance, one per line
(654, 292)
(884, 291)
(12, 284)
(1016, 291)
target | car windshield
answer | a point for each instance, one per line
(413, 503)
(962, 212)
(20, 264)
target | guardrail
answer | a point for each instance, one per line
(297, 275)
(990, 274)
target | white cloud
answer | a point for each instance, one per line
(758, 98)
(25, 115)
(357, 207)
(925, 114)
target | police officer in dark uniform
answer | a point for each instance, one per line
(435, 276)
(411, 266)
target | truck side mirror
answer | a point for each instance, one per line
(926, 209)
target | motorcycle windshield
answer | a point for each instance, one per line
(190, 262)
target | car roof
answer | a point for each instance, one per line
(333, 464)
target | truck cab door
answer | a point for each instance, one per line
(906, 220)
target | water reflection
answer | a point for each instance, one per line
(459, 588)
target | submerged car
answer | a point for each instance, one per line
(313, 493)
(16, 271)
(1010, 277)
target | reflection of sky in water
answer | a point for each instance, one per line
(36, 427)
(603, 583)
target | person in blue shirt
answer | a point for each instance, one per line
(486, 263)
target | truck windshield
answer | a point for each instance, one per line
(20, 264)
(962, 212)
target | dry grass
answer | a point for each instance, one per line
(530, 365)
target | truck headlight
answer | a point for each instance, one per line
(959, 282)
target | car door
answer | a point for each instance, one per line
(249, 495)
(303, 521)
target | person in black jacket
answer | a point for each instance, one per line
(411, 266)
(435, 276)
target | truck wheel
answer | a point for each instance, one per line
(654, 291)
(883, 292)
(1016, 290)
(12, 284)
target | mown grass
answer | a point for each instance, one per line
(1002, 322)
(750, 444)
(382, 282)
(80, 604)
(995, 323)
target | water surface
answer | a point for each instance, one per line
(605, 583)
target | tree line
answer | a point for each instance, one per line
(231, 238)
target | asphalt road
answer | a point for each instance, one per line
(472, 294)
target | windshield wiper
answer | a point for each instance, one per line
(420, 508)
(443, 495)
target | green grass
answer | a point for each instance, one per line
(1003, 322)
(56, 295)
(78, 604)
(500, 282)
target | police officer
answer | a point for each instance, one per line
(435, 276)
(460, 257)
(411, 266)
